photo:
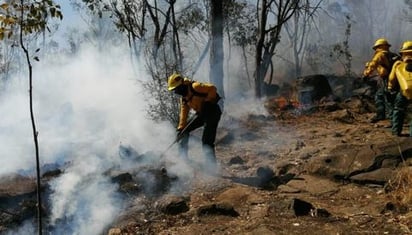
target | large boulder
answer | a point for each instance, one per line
(352, 162)
(312, 88)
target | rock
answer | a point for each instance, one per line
(359, 105)
(312, 88)
(122, 178)
(330, 106)
(379, 176)
(130, 188)
(15, 185)
(17, 199)
(52, 173)
(395, 207)
(319, 212)
(316, 186)
(225, 138)
(347, 160)
(115, 231)
(238, 196)
(236, 160)
(301, 207)
(265, 173)
(287, 189)
(217, 209)
(173, 205)
(344, 116)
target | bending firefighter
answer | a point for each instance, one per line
(401, 79)
(381, 62)
(203, 99)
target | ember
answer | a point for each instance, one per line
(281, 104)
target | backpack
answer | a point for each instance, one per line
(195, 93)
(392, 58)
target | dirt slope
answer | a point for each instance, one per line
(321, 171)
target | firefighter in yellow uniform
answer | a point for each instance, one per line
(400, 79)
(203, 99)
(381, 64)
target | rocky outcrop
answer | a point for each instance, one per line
(374, 163)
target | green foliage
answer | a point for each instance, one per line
(165, 105)
(34, 18)
(241, 22)
(162, 104)
(190, 18)
(97, 6)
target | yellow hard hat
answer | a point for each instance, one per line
(381, 42)
(174, 81)
(406, 47)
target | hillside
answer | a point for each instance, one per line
(323, 172)
(318, 170)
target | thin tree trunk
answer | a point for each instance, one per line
(36, 144)
(216, 52)
(259, 50)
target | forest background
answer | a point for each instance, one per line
(99, 73)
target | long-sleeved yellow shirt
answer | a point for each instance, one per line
(379, 62)
(202, 92)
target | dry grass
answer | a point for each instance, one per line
(400, 187)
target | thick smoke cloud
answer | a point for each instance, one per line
(85, 107)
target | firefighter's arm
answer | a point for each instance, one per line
(392, 79)
(372, 65)
(208, 89)
(184, 112)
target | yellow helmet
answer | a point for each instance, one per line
(381, 42)
(406, 47)
(174, 81)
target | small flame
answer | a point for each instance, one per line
(282, 103)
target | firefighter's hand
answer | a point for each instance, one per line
(365, 78)
(178, 133)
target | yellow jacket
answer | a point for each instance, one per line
(393, 80)
(379, 62)
(196, 96)
(401, 78)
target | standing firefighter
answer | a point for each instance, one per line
(381, 62)
(401, 78)
(203, 99)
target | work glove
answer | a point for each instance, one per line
(365, 78)
(179, 133)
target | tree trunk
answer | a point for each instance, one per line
(216, 50)
(259, 74)
(33, 123)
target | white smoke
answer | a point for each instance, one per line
(83, 199)
(85, 107)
